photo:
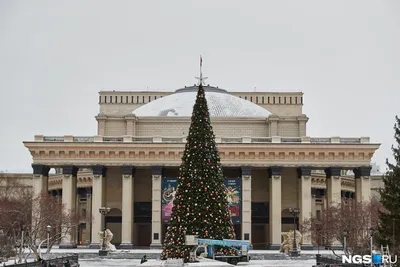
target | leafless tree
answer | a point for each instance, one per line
(347, 218)
(22, 214)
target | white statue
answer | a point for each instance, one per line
(287, 245)
(108, 237)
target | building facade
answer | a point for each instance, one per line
(132, 163)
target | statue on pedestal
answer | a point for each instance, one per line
(287, 244)
(108, 237)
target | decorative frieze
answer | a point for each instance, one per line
(170, 154)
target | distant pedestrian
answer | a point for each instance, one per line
(144, 259)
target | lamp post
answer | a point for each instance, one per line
(22, 239)
(104, 211)
(345, 233)
(48, 229)
(371, 233)
(295, 212)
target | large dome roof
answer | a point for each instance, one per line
(220, 104)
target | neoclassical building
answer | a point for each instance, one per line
(131, 164)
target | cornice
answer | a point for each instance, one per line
(318, 155)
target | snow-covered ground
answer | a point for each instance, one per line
(140, 251)
(254, 263)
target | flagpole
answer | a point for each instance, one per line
(201, 74)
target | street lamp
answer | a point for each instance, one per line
(295, 212)
(345, 233)
(104, 211)
(48, 229)
(371, 233)
(22, 238)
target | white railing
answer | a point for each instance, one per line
(53, 138)
(223, 140)
(84, 139)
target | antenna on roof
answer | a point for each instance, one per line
(201, 79)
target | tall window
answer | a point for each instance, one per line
(149, 98)
(122, 99)
(116, 99)
(274, 99)
(132, 99)
(290, 99)
(245, 97)
(295, 99)
(268, 100)
(301, 100)
(284, 99)
(105, 99)
(137, 99)
(257, 99)
(100, 99)
(142, 99)
(110, 98)
(262, 99)
(251, 99)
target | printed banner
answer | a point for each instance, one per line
(233, 190)
(168, 192)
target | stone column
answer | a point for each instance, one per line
(98, 197)
(246, 203)
(302, 119)
(88, 215)
(101, 124)
(363, 183)
(333, 185)
(130, 124)
(128, 173)
(156, 208)
(77, 211)
(69, 202)
(275, 207)
(40, 179)
(39, 185)
(273, 125)
(305, 201)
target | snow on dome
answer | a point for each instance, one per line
(220, 104)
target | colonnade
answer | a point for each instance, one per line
(97, 199)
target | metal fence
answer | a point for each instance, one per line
(67, 261)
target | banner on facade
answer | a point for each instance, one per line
(233, 190)
(168, 192)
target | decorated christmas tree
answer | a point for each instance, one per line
(200, 204)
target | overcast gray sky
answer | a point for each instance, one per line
(55, 56)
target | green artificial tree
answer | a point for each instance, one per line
(200, 204)
(389, 225)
